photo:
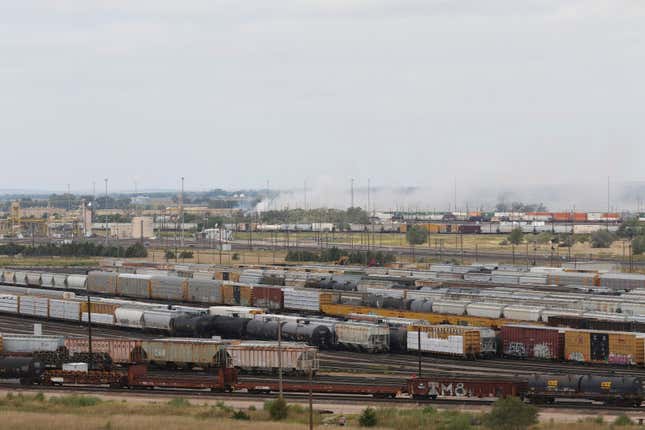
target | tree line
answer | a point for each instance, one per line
(76, 249)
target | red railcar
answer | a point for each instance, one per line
(431, 388)
(527, 341)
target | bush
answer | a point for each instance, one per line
(39, 397)
(169, 254)
(638, 245)
(178, 402)
(75, 400)
(235, 256)
(602, 239)
(367, 418)
(278, 409)
(516, 236)
(511, 414)
(186, 254)
(456, 422)
(240, 415)
(136, 250)
(416, 235)
(623, 420)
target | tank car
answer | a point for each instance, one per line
(26, 369)
(314, 334)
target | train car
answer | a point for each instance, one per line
(432, 388)
(453, 341)
(102, 282)
(264, 357)
(185, 352)
(613, 390)
(362, 336)
(27, 369)
(120, 350)
(529, 341)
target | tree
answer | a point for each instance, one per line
(136, 250)
(638, 245)
(277, 408)
(368, 418)
(416, 235)
(602, 239)
(511, 414)
(516, 236)
(169, 254)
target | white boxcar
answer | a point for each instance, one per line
(128, 317)
(633, 308)
(451, 344)
(301, 300)
(486, 310)
(449, 307)
(65, 309)
(104, 319)
(258, 356)
(129, 285)
(34, 306)
(363, 336)
(235, 311)
(9, 303)
(523, 313)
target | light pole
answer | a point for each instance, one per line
(107, 228)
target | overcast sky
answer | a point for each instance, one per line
(408, 92)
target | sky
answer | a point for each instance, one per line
(503, 96)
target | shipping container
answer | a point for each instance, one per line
(186, 351)
(525, 341)
(294, 357)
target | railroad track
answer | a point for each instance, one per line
(318, 398)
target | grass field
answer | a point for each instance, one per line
(75, 412)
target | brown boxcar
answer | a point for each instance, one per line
(463, 387)
(528, 341)
(237, 294)
(268, 297)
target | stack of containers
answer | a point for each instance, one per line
(34, 306)
(65, 309)
(301, 300)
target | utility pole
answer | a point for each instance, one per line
(107, 227)
(89, 331)
(181, 210)
(419, 349)
(280, 359)
(311, 400)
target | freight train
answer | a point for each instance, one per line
(615, 391)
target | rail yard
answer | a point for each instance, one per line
(549, 336)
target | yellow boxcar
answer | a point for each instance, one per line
(577, 345)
